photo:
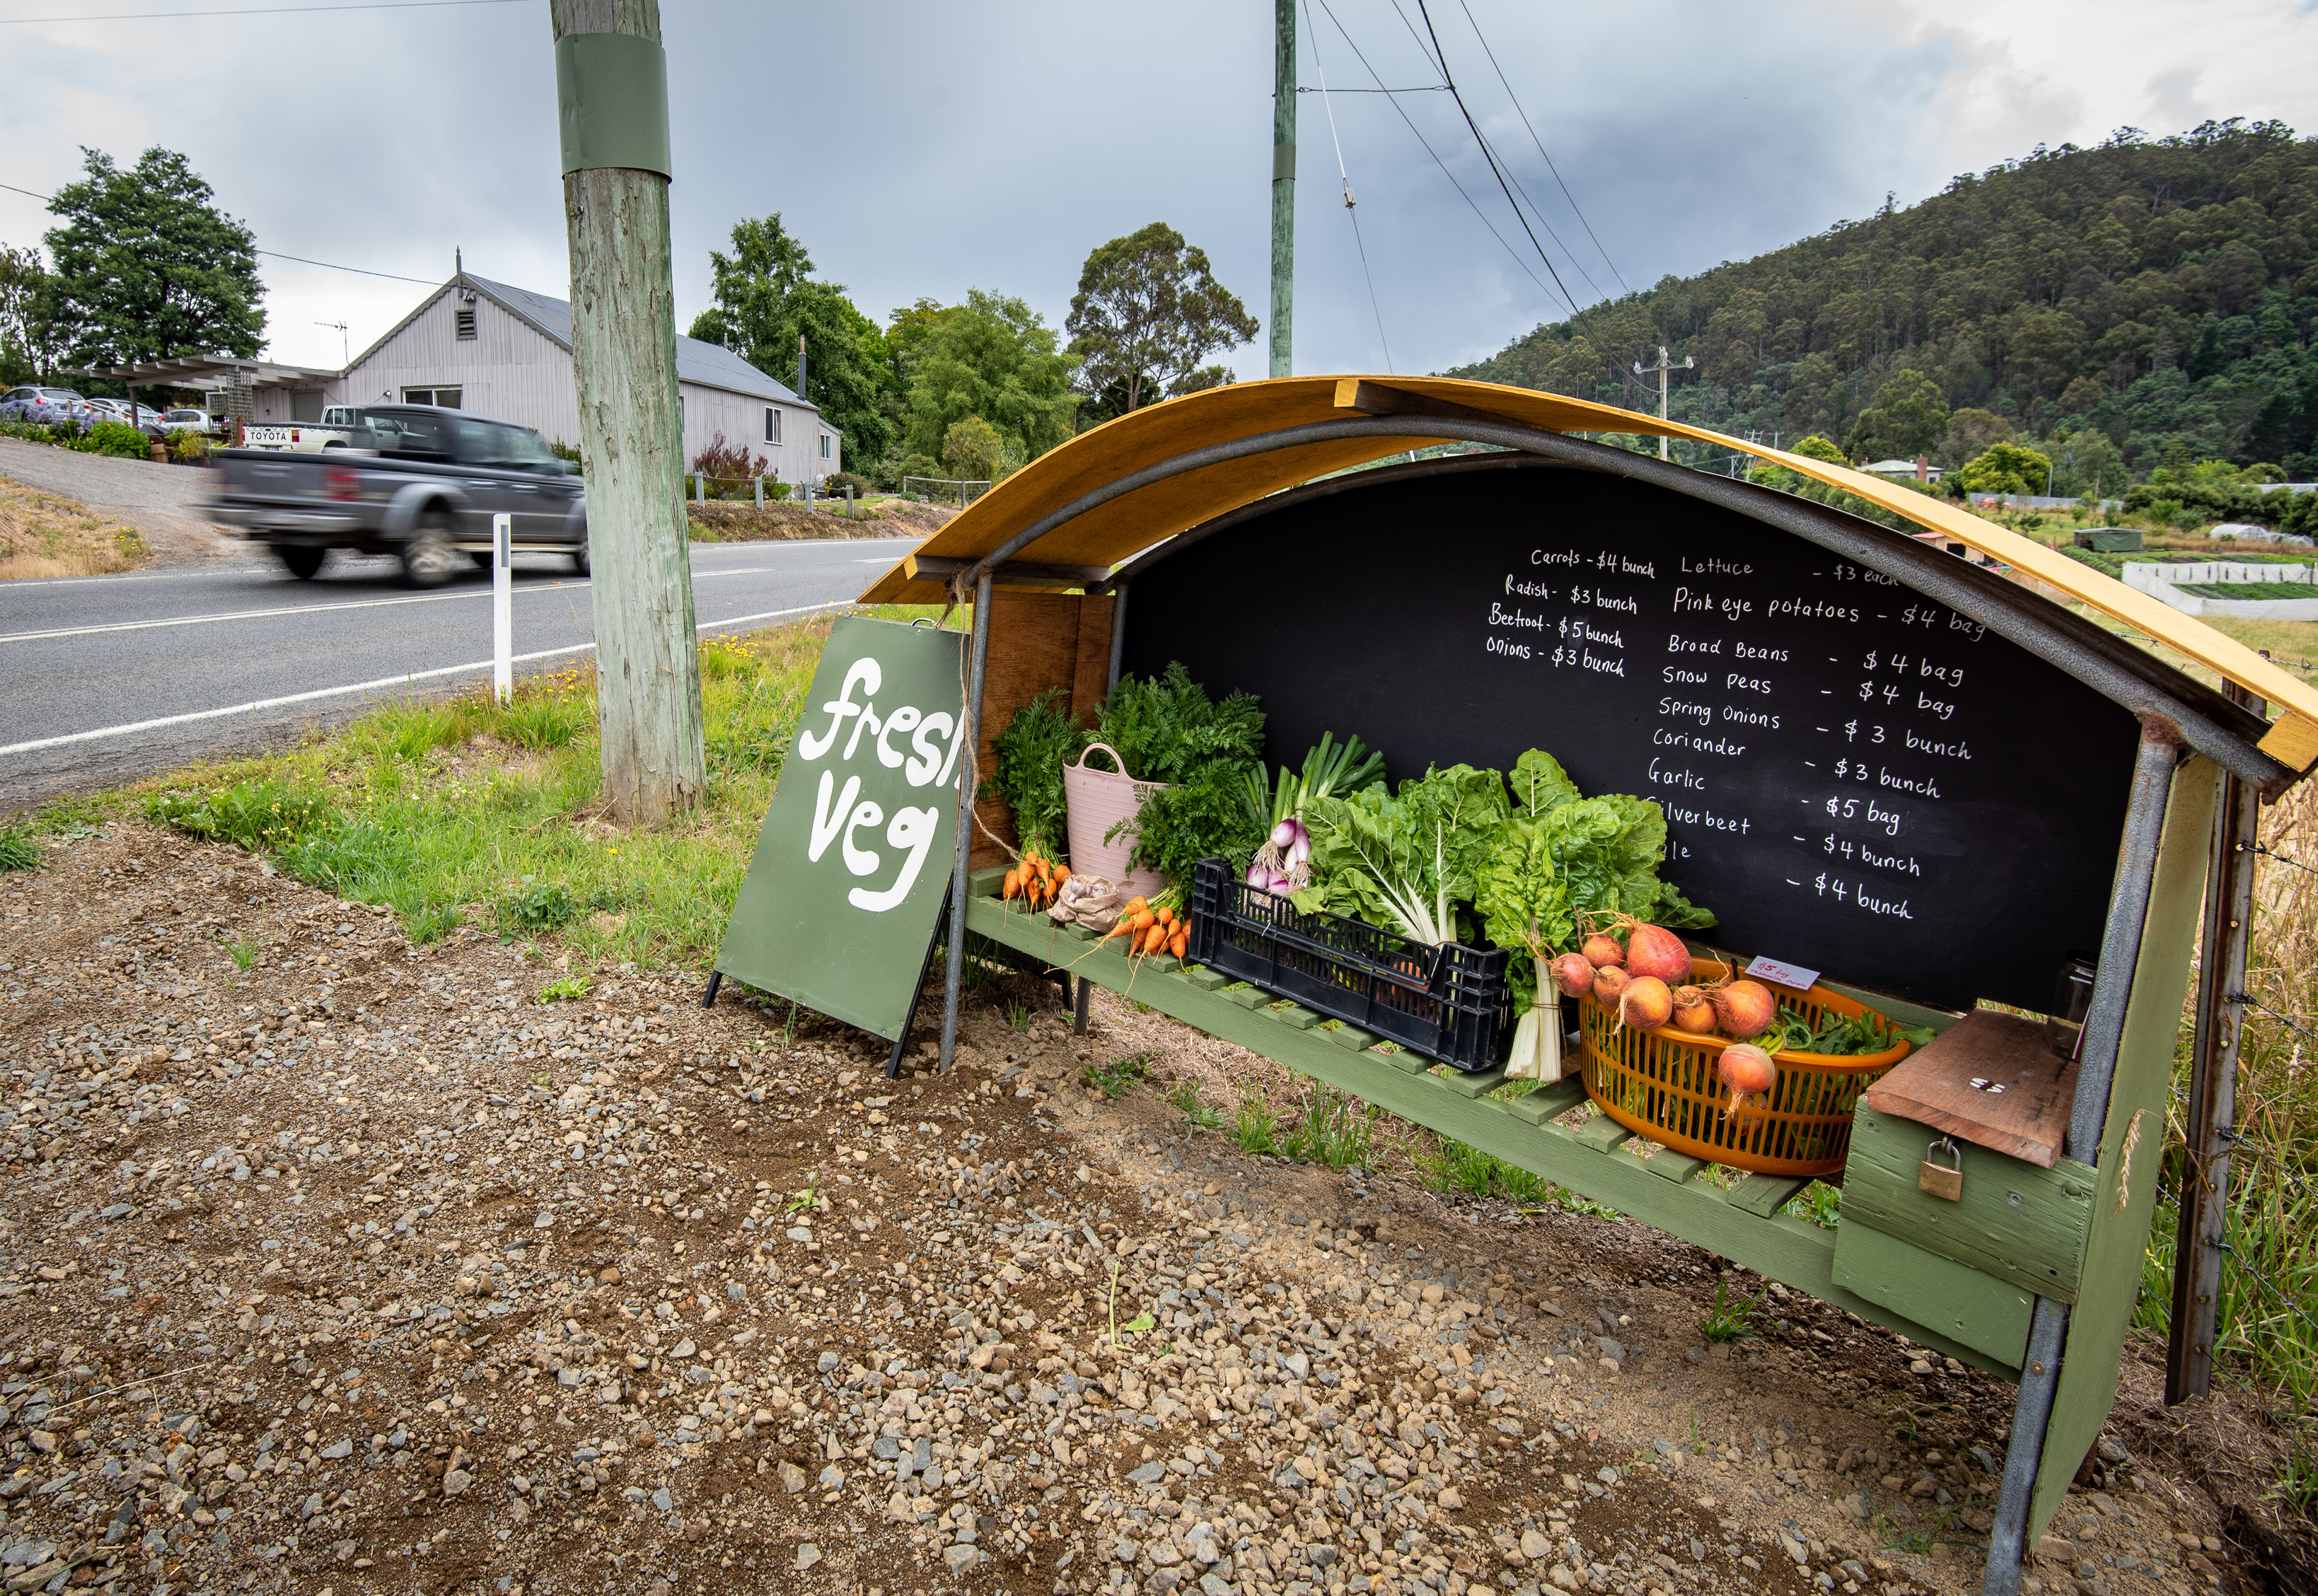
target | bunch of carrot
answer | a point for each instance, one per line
(1151, 930)
(1035, 880)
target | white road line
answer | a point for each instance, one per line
(379, 685)
(302, 609)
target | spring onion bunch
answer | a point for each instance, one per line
(1282, 865)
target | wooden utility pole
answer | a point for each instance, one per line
(611, 79)
(1283, 187)
(1665, 363)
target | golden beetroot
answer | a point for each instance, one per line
(1747, 1071)
(1603, 952)
(1609, 982)
(1644, 1003)
(1693, 1011)
(1746, 1009)
(1572, 975)
(1653, 950)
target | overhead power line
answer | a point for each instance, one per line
(170, 16)
(274, 253)
(1489, 156)
(1534, 138)
(1393, 99)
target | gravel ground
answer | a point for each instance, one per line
(362, 1270)
(161, 501)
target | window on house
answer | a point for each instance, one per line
(825, 445)
(467, 325)
(772, 424)
(448, 398)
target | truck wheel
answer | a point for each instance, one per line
(580, 553)
(301, 562)
(429, 559)
(482, 557)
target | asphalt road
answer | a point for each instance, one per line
(104, 679)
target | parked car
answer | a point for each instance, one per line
(146, 419)
(417, 481)
(44, 406)
(335, 430)
(188, 420)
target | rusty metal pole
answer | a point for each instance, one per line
(2213, 1089)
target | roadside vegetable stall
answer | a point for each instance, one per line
(1796, 845)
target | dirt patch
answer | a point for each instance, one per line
(737, 522)
(43, 534)
(360, 1266)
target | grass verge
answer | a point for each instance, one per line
(463, 810)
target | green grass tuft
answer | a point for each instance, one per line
(18, 849)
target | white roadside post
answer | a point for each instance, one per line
(503, 606)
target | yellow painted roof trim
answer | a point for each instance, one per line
(1116, 532)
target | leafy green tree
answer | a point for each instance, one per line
(1970, 433)
(2086, 462)
(1907, 418)
(2006, 468)
(29, 345)
(146, 266)
(972, 452)
(1147, 312)
(1816, 447)
(766, 296)
(994, 357)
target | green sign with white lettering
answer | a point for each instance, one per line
(841, 897)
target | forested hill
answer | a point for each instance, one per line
(2151, 300)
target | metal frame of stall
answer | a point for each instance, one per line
(2200, 772)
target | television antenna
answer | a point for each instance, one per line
(341, 326)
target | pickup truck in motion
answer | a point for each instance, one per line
(417, 481)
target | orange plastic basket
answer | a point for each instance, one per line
(1661, 1083)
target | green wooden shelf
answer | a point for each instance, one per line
(1744, 1227)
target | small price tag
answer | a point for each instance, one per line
(1779, 975)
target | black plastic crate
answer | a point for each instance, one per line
(1448, 1003)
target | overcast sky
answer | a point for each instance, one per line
(921, 149)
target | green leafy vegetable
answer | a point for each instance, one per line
(1403, 861)
(1203, 817)
(1840, 1036)
(1167, 728)
(1031, 752)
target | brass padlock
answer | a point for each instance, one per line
(1940, 1179)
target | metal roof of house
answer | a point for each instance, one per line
(710, 366)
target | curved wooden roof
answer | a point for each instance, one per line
(1113, 532)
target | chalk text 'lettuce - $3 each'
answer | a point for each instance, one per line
(841, 814)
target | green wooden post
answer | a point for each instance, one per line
(612, 99)
(1283, 188)
(2126, 1195)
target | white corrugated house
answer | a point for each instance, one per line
(507, 351)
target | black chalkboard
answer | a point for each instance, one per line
(1856, 779)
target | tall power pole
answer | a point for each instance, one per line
(1283, 187)
(1665, 363)
(611, 90)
